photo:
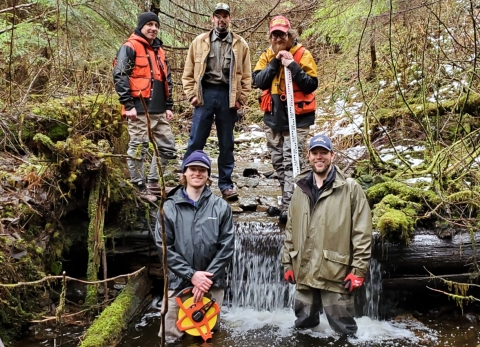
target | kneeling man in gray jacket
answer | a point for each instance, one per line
(200, 239)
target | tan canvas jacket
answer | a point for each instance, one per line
(324, 245)
(240, 69)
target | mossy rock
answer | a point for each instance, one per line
(377, 192)
(95, 116)
(396, 225)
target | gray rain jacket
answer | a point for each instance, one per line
(199, 238)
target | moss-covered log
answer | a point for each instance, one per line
(107, 329)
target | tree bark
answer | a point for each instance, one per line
(450, 255)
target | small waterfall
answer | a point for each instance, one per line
(373, 286)
(256, 278)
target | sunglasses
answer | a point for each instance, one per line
(279, 35)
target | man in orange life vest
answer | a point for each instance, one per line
(268, 75)
(142, 69)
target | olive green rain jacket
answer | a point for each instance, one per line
(323, 244)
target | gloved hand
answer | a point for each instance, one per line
(352, 282)
(290, 277)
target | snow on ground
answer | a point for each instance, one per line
(343, 119)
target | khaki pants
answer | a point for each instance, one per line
(138, 145)
(339, 309)
(278, 144)
(171, 331)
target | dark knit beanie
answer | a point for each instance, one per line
(198, 158)
(146, 17)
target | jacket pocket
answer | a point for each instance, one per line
(142, 67)
(304, 103)
(335, 266)
(265, 101)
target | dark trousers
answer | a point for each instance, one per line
(215, 107)
(339, 309)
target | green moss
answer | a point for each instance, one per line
(398, 225)
(18, 305)
(395, 225)
(59, 131)
(376, 193)
(44, 139)
(108, 327)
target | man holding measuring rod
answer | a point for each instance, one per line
(269, 75)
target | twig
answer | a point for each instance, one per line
(162, 223)
(16, 6)
(48, 319)
(49, 278)
(470, 297)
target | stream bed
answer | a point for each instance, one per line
(247, 327)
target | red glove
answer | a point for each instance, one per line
(290, 277)
(352, 282)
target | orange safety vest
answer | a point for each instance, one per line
(304, 103)
(146, 69)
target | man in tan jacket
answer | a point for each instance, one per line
(217, 79)
(328, 241)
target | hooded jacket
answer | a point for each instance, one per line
(143, 67)
(330, 238)
(199, 238)
(269, 74)
(240, 69)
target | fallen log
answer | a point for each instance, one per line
(428, 250)
(107, 329)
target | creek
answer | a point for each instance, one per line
(258, 309)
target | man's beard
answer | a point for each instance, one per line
(220, 29)
(284, 45)
(321, 171)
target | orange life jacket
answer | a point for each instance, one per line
(148, 67)
(304, 103)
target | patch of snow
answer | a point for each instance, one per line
(355, 153)
(415, 162)
(339, 129)
(418, 179)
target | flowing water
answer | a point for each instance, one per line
(258, 309)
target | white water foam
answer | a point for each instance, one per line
(279, 324)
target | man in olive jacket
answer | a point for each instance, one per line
(328, 241)
(200, 239)
(217, 79)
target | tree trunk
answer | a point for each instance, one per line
(450, 255)
(107, 329)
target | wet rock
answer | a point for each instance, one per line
(268, 200)
(250, 172)
(471, 318)
(236, 208)
(246, 138)
(262, 208)
(248, 204)
(18, 255)
(273, 211)
(365, 181)
(248, 182)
